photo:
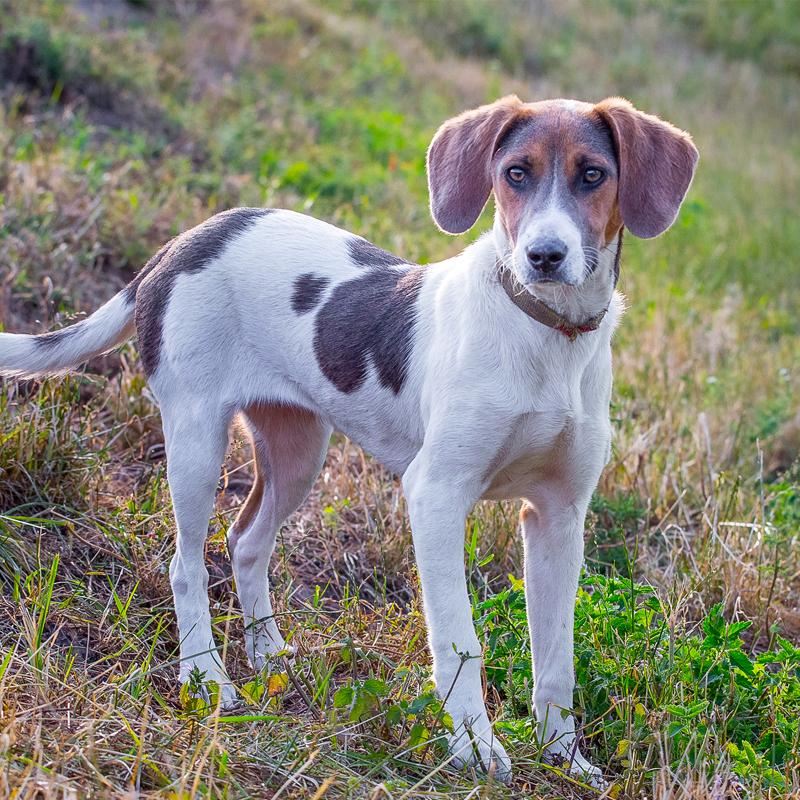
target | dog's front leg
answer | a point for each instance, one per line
(552, 529)
(438, 503)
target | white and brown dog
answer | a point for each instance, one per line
(487, 375)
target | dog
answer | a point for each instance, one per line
(484, 376)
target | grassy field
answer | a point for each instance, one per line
(123, 123)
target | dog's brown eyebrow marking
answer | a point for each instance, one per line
(369, 319)
(366, 254)
(308, 289)
(188, 253)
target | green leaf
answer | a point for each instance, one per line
(419, 734)
(253, 691)
(363, 706)
(695, 709)
(419, 704)
(343, 697)
(749, 753)
(376, 687)
(740, 660)
(736, 628)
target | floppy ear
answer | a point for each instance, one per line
(656, 166)
(459, 179)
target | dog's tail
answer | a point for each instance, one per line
(28, 356)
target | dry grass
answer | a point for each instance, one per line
(226, 104)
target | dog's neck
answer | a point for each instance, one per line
(577, 305)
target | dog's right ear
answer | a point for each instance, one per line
(459, 179)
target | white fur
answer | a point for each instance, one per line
(552, 224)
(110, 325)
(495, 405)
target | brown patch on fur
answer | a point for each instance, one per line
(367, 254)
(526, 512)
(308, 289)
(369, 320)
(47, 340)
(511, 207)
(188, 254)
(251, 505)
(270, 424)
(614, 225)
(267, 416)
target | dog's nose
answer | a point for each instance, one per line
(547, 256)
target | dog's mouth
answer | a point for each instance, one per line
(570, 276)
(550, 282)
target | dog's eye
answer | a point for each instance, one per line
(516, 174)
(593, 175)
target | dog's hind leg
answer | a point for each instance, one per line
(196, 438)
(289, 445)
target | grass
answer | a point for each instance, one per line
(124, 123)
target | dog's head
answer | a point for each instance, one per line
(566, 177)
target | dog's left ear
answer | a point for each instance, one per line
(656, 166)
(459, 177)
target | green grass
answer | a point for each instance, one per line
(659, 691)
(119, 129)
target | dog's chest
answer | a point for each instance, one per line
(542, 447)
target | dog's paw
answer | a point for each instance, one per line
(211, 693)
(571, 761)
(479, 748)
(208, 681)
(592, 776)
